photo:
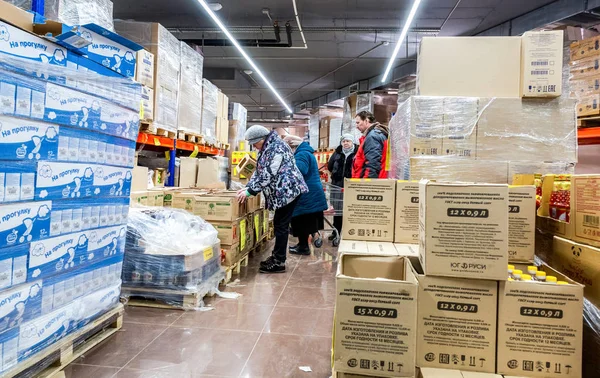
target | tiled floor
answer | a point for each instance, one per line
(280, 323)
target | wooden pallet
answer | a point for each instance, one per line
(235, 268)
(151, 128)
(190, 137)
(593, 121)
(53, 359)
(163, 298)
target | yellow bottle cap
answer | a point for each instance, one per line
(562, 283)
(510, 279)
(551, 279)
(540, 274)
(532, 268)
(526, 277)
(511, 267)
(518, 271)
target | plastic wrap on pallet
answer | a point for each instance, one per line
(49, 330)
(313, 130)
(166, 49)
(210, 97)
(171, 256)
(75, 12)
(470, 131)
(189, 116)
(68, 70)
(238, 116)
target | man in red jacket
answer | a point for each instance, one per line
(371, 156)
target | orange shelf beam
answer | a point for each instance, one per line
(588, 135)
(154, 140)
(202, 149)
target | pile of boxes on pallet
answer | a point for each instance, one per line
(584, 81)
(459, 307)
(67, 146)
(171, 257)
(183, 100)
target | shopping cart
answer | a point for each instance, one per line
(335, 199)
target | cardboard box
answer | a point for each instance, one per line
(144, 73)
(540, 327)
(353, 246)
(139, 198)
(147, 107)
(410, 251)
(457, 323)
(469, 66)
(521, 223)
(585, 67)
(381, 249)
(159, 177)
(168, 198)
(230, 254)
(188, 172)
(369, 210)
(375, 316)
(426, 126)
(588, 105)
(460, 126)
(208, 173)
(579, 262)
(586, 48)
(246, 167)
(463, 230)
(257, 219)
(425, 372)
(407, 212)
(585, 86)
(456, 169)
(585, 213)
(157, 197)
(253, 203)
(219, 207)
(542, 67)
(554, 227)
(16, 16)
(139, 179)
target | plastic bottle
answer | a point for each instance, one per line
(532, 270)
(511, 268)
(551, 280)
(526, 277)
(517, 274)
(562, 283)
(540, 276)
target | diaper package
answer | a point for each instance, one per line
(84, 214)
(24, 222)
(66, 180)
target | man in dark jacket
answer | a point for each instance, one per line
(340, 165)
(370, 160)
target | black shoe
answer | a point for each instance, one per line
(302, 251)
(273, 266)
(268, 261)
(294, 248)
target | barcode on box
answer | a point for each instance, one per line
(540, 72)
(591, 220)
(540, 63)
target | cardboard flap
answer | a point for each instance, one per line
(113, 36)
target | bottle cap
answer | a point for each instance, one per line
(517, 271)
(532, 268)
(539, 273)
(551, 279)
(526, 277)
(562, 283)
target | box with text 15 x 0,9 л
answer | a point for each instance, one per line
(463, 230)
(375, 316)
(369, 207)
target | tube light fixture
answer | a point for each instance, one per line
(244, 54)
(409, 20)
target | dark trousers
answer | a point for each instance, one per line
(337, 223)
(281, 225)
(303, 240)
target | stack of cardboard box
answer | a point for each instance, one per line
(477, 118)
(189, 108)
(585, 76)
(454, 308)
(222, 128)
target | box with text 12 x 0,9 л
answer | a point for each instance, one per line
(369, 207)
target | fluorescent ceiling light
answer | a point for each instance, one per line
(409, 20)
(244, 54)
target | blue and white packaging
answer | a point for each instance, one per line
(119, 121)
(24, 139)
(109, 181)
(13, 261)
(24, 222)
(107, 48)
(66, 221)
(16, 179)
(93, 305)
(20, 44)
(19, 304)
(107, 242)
(57, 255)
(13, 84)
(64, 180)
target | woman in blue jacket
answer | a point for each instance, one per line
(308, 214)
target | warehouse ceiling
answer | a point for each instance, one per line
(348, 40)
